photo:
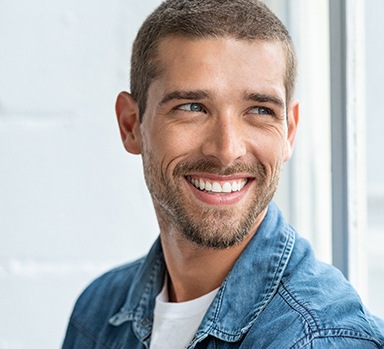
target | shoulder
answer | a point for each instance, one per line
(329, 308)
(89, 323)
(106, 294)
(337, 341)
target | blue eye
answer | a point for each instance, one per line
(261, 111)
(193, 107)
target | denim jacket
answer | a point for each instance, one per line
(277, 296)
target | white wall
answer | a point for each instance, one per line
(71, 199)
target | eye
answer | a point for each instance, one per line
(261, 111)
(192, 107)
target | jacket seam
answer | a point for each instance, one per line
(342, 333)
(314, 332)
(88, 334)
(305, 313)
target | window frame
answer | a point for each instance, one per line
(348, 139)
(325, 193)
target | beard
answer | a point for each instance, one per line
(209, 227)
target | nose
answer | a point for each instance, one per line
(224, 140)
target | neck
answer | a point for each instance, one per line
(194, 270)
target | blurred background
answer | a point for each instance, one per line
(73, 203)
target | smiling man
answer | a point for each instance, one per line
(212, 115)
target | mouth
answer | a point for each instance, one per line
(216, 186)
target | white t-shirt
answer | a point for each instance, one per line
(175, 324)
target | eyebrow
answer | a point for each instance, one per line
(191, 95)
(202, 94)
(265, 98)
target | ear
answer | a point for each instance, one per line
(127, 113)
(293, 120)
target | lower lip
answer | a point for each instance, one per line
(212, 198)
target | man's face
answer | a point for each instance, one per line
(214, 136)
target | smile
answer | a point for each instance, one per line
(216, 186)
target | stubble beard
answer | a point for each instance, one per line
(209, 227)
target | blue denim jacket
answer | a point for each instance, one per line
(277, 296)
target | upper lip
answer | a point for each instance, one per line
(219, 178)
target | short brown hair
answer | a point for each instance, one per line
(239, 19)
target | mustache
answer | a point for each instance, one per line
(204, 165)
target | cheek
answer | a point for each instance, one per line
(169, 147)
(269, 144)
(270, 150)
(177, 141)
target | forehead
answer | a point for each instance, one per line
(219, 63)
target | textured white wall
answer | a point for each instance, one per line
(71, 199)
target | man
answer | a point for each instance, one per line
(212, 114)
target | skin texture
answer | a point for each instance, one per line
(217, 113)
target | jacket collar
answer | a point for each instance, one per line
(246, 291)
(140, 301)
(252, 282)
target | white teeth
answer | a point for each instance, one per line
(216, 187)
(227, 187)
